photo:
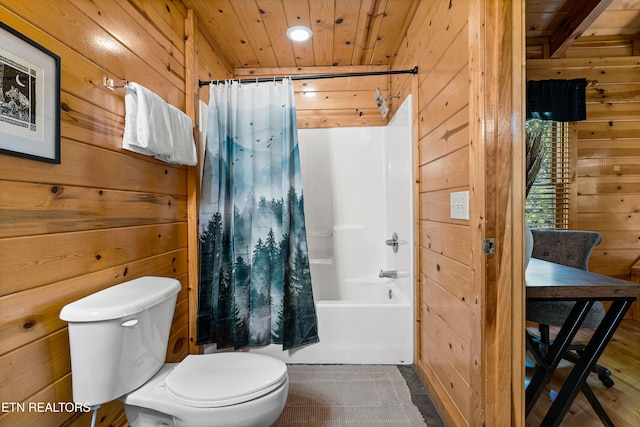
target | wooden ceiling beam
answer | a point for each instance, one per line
(582, 15)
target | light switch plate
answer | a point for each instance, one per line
(459, 203)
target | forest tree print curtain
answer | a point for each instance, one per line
(255, 282)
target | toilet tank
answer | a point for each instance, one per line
(118, 337)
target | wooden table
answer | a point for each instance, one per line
(547, 281)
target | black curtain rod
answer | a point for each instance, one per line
(414, 70)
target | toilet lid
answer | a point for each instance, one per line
(223, 379)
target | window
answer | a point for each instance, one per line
(549, 200)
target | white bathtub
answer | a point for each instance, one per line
(370, 324)
(350, 213)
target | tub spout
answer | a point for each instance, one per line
(390, 274)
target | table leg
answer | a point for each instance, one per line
(543, 373)
(588, 359)
(595, 404)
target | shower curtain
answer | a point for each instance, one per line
(255, 282)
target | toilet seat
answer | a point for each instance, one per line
(224, 379)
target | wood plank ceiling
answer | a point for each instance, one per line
(252, 33)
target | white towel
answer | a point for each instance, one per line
(155, 128)
(181, 130)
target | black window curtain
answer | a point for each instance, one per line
(557, 100)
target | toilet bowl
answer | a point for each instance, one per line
(221, 389)
(118, 341)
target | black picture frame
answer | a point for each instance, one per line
(29, 98)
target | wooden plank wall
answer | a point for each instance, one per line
(469, 100)
(104, 215)
(438, 43)
(328, 103)
(608, 176)
(608, 152)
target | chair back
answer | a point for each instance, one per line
(566, 247)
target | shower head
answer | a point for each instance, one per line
(382, 102)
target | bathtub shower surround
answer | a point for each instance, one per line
(358, 193)
(255, 280)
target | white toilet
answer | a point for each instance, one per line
(118, 339)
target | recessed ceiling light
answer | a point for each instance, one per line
(299, 33)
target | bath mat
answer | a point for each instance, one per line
(348, 395)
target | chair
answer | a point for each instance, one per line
(571, 248)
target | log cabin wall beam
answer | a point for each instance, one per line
(584, 13)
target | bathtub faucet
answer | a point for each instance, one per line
(393, 242)
(390, 274)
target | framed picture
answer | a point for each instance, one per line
(29, 98)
